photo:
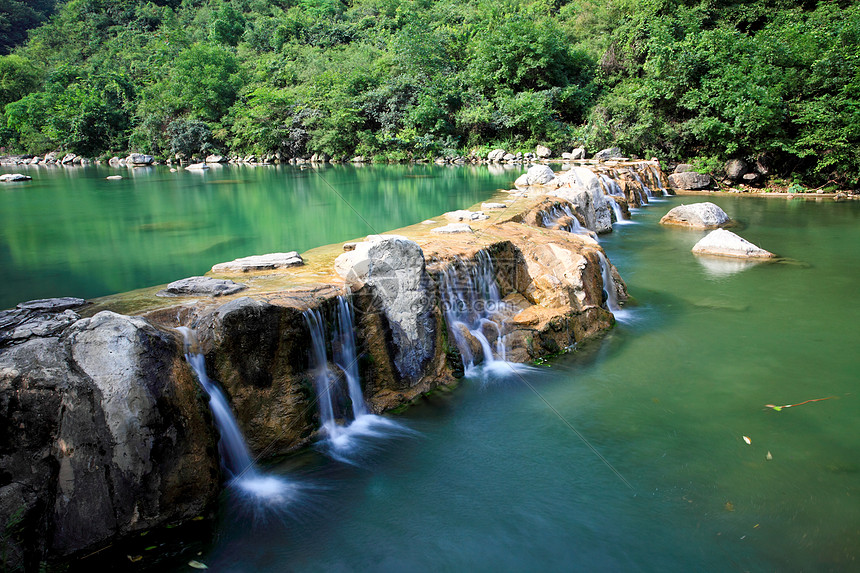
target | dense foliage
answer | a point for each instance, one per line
(771, 80)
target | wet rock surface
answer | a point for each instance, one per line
(201, 286)
(102, 433)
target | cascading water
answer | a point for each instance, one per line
(610, 289)
(656, 176)
(474, 308)
(611, 186)
(235, 456)
(551, 220)
(642, 183)
(616, 208)
(342, 434)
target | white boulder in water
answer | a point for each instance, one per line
(727, 244)
(704, 215)
(197, 167)
(10, 177)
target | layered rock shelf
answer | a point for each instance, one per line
(106, 433)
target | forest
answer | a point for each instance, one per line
(700, 81)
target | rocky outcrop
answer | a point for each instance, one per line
(197, 167)
(690, 180)
(214, 158)
(704, 215)
(392, 270)
(93, 449)
(543, 152)
(583, 188)
(684, 168)
(201, 286)
(260, 263)
(536, 175)
(724, 243)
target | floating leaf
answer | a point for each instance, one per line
(768, 456)
(134, 558)
(150, 548)
(747, 440)
(730, 506)
(197, 564)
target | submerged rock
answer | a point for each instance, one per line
(196, 167)
(260, 263)
(704, 215)
(201, 286)
(727, 244)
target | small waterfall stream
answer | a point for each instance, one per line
(235, 457)
(611, 290)
(343, 427)
(474, 308)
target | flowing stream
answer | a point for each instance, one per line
(498, 479)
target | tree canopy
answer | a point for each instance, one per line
(402, 78)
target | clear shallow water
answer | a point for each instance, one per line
(69, 232)
(497, 481)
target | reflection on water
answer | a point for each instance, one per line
(719, 267)
(71, 232)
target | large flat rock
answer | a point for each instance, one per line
(260, 263)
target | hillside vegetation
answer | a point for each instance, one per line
(772, 80)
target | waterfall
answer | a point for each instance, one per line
(474, 310)
(551, 220)
(345, 357)
(612, 186)
(616, 208)
(656, 175)
(642, 183)
(343, 428)
(235, 457)
(608, 284)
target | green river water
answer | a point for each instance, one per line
(497, 475)
(70, 232)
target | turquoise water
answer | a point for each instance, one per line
(498, 481)
(498, 476)
(70, 232)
